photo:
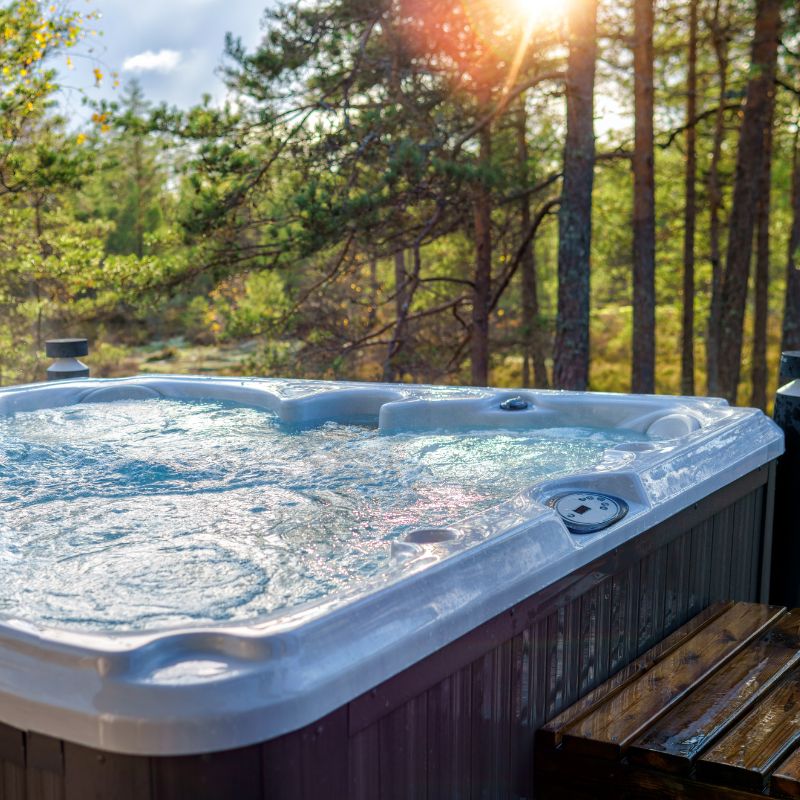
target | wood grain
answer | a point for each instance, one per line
(705, 714)
(746, 755)
(610, 728)
(549, 735)
(785, 780)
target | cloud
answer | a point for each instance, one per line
(148, 61)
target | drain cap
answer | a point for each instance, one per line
(588, 512)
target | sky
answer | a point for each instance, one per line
(173, 47)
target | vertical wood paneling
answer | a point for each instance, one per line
(311, 762)
(721, 558)
(676, 597)
(449, 737)
(660, 593)
(616, 629)
(404, 752)
(491, 724)
(521, 739)
(652, 578)
(231, 773)
(587, 648)
(12, 763)
(89, 775)
(644, 622)
(741, 535)
(756, 546)
(12, 781)
(702, 537)
(630, 631)
(538, 690)
(44, 761)
(572, 638)
(43, 785)
(364, 765)
(603, 652)
(554, 687)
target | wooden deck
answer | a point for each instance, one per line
(713, 711)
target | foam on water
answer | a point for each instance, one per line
(151, 514)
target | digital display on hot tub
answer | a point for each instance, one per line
(146, 514)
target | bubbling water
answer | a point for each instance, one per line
(137, 515)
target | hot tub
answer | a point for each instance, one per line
(495, 586)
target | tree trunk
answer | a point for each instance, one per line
(401, 303)
(533, 346)
(749, 163)
(482, 281)
(791, 316)
(644, 204)
(758, 396)
(374, 291)
(571, 357)
(720, 42)
(687, 339)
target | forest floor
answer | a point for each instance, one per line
(177, 357)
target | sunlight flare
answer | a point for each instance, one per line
(534, 12)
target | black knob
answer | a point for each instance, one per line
(66, 348)
(514, 404)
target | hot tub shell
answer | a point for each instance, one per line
(429, 680)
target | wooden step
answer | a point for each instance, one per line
(608, 730)
(549, 735)
(785, 780)
(762, 739)
(674, 741)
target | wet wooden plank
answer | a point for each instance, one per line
(549, 735)
(704, 715)
(785, 780)
(747, 754)
(610, 728)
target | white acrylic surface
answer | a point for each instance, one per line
(201, 689)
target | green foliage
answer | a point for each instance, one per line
(351, 145)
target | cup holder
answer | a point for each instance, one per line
(431, 536)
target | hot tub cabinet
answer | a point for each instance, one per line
(430, 682)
